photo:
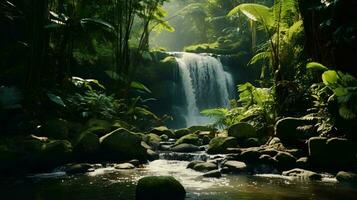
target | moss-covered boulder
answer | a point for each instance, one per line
(159, 188)
(182, 132)
(285, 160)
(56, 152)
(220, 144)
(201, 128)
(205, 167)
(122, 144)
(87, 145)
(235, 166)
(189, 139)
(294, 130)
(153, 140)
(161, 130)
(185, 148)
(346, 177)
(55, 129)
(242, 131)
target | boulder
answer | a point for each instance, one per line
(292, 130)
(220, 144)
(56, 152)
(122, 144)
(185, 148)
(303, 163)
(285, 160)
(163, 130)
(267, 160)
(201, 128)
(250, 142)
(346, 177)
(124, 166)
(213, 174)
(55, 129)
(235, 166)
(181, 132)
(164, 137)
(152, 155)
(205, 167)
(302, 174)
(250, 155)
(153, 140)
(78, 168)
(189, 139)
(193, 163)
(317, 149)
(242, 130)
(159, 188)
(88, 144)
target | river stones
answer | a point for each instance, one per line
(193, 163)
(78, 168)
(87, 145)
(285, 160)
(302, 174)
(163, 130)
(242, 130)
(219, 145)
(181, 132)
(159, 188)
(346, 177)
(303, 163)
(153, 140)
(189, 139)
(293, 130)
(122, 144)
(213, 174)
(205, 167)
(234, 166)
(185, 148)
(124, 166)
(267, 160)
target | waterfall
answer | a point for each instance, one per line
(205, 84)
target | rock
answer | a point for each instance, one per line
(303, 163)
(135, 162)
(181, 132)
(289, 130)
(242, 130)
(250, 155)
(302, 174)
(220, 144)
(122, 144)
(163, 130)
(185, 148)
(153, 140)
(250, 142)
(235, 166)
(189, 139)
(346, 177)
(285, 160)
(159, 188)
(152, 155)
(213, 174)
(274, 141)
(267, 160)
(234, 150)
(205, 140)
(201, 128)
(164, 137)
(317, 148)
(193, 163)
(56, 152)
(271, 152)
(55, 129)
(296, 152)
(341, 153)
(205, 167)
(87, 145)
(124, 166)
(78, 168)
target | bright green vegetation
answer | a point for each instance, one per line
(84, 82)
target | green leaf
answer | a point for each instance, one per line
(56, 99)
(330, 77)
(139, 86)
(346, 113)
(340, 91)
(255, 12)
(316, 66)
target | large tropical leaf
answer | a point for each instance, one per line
(255, 12)
(316, 66)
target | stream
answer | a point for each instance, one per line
(112, 184)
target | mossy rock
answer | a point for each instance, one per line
(56, 152)
(242, 130)
(88, 144)
(159, 188)
(182, 132)
(189, 139)
(152, 139)
(202, 128)
(55, 129)
(291, 130)
(163, 130)
(122, 144)
(220, 144)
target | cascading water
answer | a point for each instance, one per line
(205, 84)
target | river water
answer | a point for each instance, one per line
(111, 184)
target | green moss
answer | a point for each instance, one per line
(189, 139)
